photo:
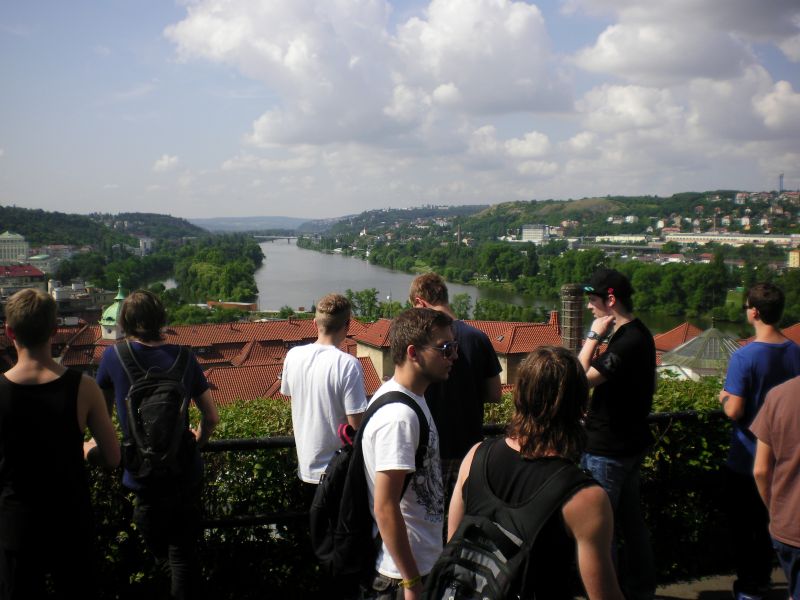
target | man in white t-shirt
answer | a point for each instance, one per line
(327, 389)
(410, 523)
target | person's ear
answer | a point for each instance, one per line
(419, 302)
(411, 352)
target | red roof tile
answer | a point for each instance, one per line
(376, 335)
(19, 271)
(229, 384)
(371, 380)
(669, 340)
(509, 337)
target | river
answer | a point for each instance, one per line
(298, 278)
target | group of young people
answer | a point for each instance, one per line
(449, 369)
(46, 525)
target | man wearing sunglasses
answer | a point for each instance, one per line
(457, 403)
(409, 518)
(618, 436)
(769, 360)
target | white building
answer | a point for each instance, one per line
(538, 234)
(13, 248)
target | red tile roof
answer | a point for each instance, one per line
(19, 271)
(669, 340)
(792, 332)
(518, 338)
(371, 380)
(229, 384)
(376, 335)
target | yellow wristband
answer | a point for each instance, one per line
(410, 583)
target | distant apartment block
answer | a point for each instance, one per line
(732, 239)
(794, 259)
(538, 234)
(13, 248)
(622, 239)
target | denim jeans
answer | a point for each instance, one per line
(619, 476)
(789, 557)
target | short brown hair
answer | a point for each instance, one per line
(142, 316)
(31, 315)
(768, 300)
(413, 327)
(332, 313)
(430, 287)
(550, 399)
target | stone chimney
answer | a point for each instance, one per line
(572, 316)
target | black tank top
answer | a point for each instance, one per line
(43, 485)
(552, 573)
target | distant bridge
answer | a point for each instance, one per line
(272, 238)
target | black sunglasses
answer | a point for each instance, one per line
(447, 350)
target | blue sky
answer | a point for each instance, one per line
(323, 108)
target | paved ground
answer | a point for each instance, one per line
(717, 588)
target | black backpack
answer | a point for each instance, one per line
(340, 517)
(489, 555)
(158, 445)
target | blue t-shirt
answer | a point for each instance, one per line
(753, 370)
(111, 374)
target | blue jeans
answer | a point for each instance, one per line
(789, 557)
(619, 476)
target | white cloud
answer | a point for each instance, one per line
(673, 40)
(2, 152)
(165, 163)
(532, 144)
(780, 108)
(613, 108)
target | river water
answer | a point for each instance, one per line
(298, 278)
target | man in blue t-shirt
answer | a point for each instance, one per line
(767, 361)
(167, 513)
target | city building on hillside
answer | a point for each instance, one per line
(13, 248)
(538, 234)
(44, 262)
(794, 259)
(733, 239)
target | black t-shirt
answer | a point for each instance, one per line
(514, 480)
(617, 421)
(457, 404)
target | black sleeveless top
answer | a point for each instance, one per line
(43, 486)
(514, 480)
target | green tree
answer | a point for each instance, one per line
(461, 305)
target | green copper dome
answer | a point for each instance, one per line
(110, 315)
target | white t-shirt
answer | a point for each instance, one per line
(325, 385)
(390, 442)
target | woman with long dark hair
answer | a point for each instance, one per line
(545, 436)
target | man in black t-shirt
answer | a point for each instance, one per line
(618, 436)
(457, 404)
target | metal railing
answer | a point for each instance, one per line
(283, 442)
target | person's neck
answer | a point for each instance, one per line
(330, 339)
(769, 334)
(622, 318)
(445, 308)
(34, 365)
(411, 379)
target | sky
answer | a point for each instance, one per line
(322, 108)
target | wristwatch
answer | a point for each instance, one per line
(593, 336)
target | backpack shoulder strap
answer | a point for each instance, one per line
(180, 367)
(424, 428)
(128, 361)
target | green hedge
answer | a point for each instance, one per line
(680, 489)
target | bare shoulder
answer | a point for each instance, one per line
(586, 510)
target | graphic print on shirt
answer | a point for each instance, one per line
(427, 482)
